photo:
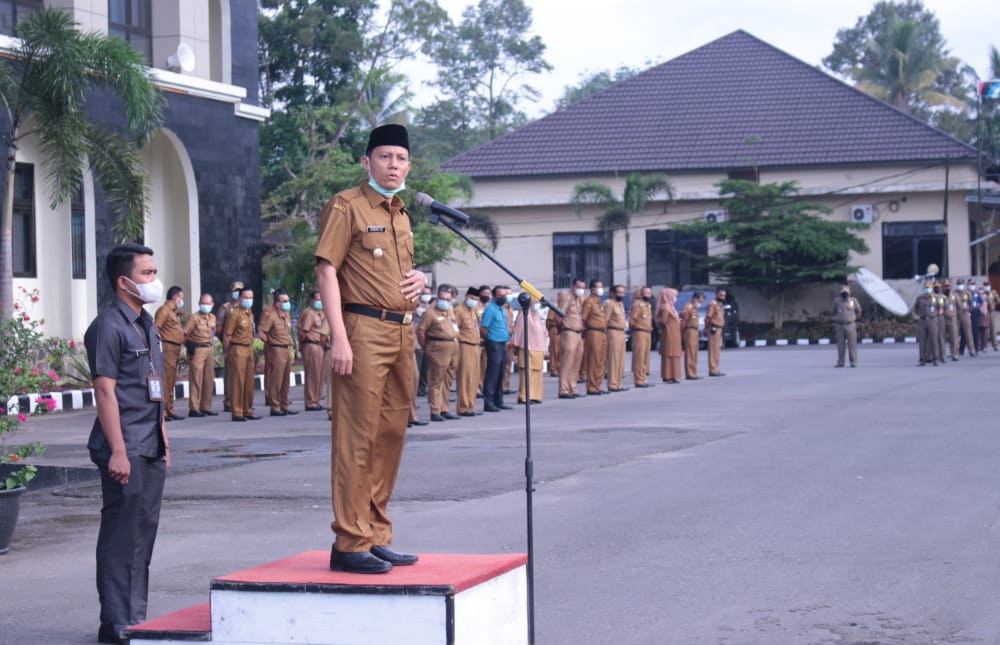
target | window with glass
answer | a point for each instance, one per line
(78, 228)
(908, 247)
(132, 21)
(672, 258)
(14, 12)
(580, 255)
(23, 242)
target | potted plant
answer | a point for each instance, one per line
(23, 355)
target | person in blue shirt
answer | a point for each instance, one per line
(494, 330)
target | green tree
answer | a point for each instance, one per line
(989, 134)
(777, 242)
(44, 89)
(592, 84)
(481, 63)
(616, 214)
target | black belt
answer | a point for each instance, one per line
(280, 346)
(594, 329)
(170, 342)
(644, 331)
(203, 344)
(442, 340)
(465, 342)
(240, 344)
(381, 314)
(617, 328)
(575, 331)
(310, 342)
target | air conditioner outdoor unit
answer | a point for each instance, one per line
(861, 213)
(715, 216)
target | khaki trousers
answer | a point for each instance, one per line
(965, 324)
(277, 369)
(615, 358)
(369, 408)
(536, 360)
(201, 370)
(596, 349)
(689, 345)
(171, 355)
(951, 335)
(641, 343)
(714, 351)
(468, 377)
(439, 356)
(507, 367)
(554, 352)
(670, 368)
(313, 366)
(240, 379)
(570, 352)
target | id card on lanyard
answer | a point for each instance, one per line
(154, 385)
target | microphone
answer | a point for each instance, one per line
(435, 206)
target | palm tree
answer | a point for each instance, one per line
(617, 214)
(43, 89)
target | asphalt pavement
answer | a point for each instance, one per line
(787, 502)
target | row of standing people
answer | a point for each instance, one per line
(959, 320)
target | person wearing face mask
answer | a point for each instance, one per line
(965, 319)
(614, 313)
(939, 303)
(640, 322)
(926, 310)
(172, 334)
(199, 331)
(237, 344)
(467, 318)
(494, 330)
(438, 334)
(275, 330)
(595, 340)
(552, 323)
(992, 300)
(128, 442)
(689, 335)
(530, 366)
(949, 320)
(314, 339)
(233, 301)
(670, 336)
(846, 312)
(571, 341)
(715, 321)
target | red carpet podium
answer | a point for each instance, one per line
(441, 600)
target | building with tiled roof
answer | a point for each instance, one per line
(735, 107)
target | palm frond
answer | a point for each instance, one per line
(122, 69)
(592, 193)
(118, 168)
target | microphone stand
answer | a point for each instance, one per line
(524, 299)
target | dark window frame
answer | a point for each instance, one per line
(19, 10)
(908, 247)
(78, 235)
(673, 258)
(588, 253)
(134, 28)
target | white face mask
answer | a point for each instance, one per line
(148, 291)
(599, 291)
(443, 305)
(579, 292)
(471, 302)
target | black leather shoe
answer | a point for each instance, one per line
(209, 413)
(536, 401)
(418, 422)
(173, 417)
(491, 408)
(251, 417)
(314, 408)
(196, 413)
(694, 378)
(359, 562)
(643, 385)
(437, 417)
(621, 389)
(448, 415)
(594, 393)
(469, 414)
(239, 418)
(505, 407)
(108, 633)
(717, 374)
(395, 558)
(278, 413)
(567, 396)
(290, 412)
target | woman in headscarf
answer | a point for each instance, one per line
(670, 336)
(536, 352)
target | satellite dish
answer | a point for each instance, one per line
(182, 60)
(881, 292)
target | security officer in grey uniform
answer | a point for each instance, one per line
(846, 311)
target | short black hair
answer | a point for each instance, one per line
(173, 291)
(121, 261)
(472, 291)
(446, 287)
(593, 283)
(575, 280)
(313, 294)
(484, 287)
(698, 295)
(617, 287)
(279, 292)
(499, 286)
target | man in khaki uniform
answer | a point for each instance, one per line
(951, 307)
(614, 313)
(715, 320)
(469, 341)
(314, 339)
(237, 343)
(571, 344)
(364, 265)
(220, 322)
(640, 322)
(965, 319)
(552, 328)
(275, 330)
(438, 334)
(927, 312)
(595, 340)
(172, 336)
(992, 300)
(939, 301)
(846, 311)
(689, 335)
(199, 332)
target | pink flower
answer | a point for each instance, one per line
(53, 375)
(26, 318)
(34, 372)
(22, 417)
(49, 403)
(17, 370)
(14, 458)
(34, 298)
(72, 344)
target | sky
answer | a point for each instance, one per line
(586, 36)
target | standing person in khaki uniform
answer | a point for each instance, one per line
(992, 300)
(614, 313)
(469, 341)
(237, 343)
(580, 291)
(220, 323)
(640, 322)
(595, 340)
(670, 336)
(715, 321)
(846, 311)
(172, 334)
(199, 332)
(314, 340)
(535, 359)
(364, 264)
(438, 334)
(552, 328)
(689, 335)
(570, 344)
(275, 330)
(951, 307)
(965, 319)
(939, 302)
(926, 310)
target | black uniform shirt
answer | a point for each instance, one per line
(121, 345)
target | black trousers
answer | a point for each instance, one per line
(496, 357)
(130, 516)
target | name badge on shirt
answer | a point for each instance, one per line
(376, 229)
(155, 388)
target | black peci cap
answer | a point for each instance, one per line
(391, 134)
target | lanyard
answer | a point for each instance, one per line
(144, 338)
